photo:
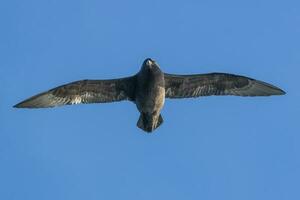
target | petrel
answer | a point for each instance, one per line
(148, 90)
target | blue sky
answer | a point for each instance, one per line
(210, 148)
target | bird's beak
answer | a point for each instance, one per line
(149, 62)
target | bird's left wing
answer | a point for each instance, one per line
(84, 91)
(184, 86)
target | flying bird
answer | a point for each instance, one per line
(148, 90)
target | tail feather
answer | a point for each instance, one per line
(149, 123)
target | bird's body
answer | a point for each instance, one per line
(150, 95)
(148, 90)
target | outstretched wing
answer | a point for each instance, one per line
(85, 91)
(184, 86)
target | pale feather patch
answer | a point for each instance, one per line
(76, 100)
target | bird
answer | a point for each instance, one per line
(148, 89)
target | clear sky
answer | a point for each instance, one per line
(211, 148)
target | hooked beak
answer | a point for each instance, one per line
(149, 62)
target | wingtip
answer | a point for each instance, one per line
(24, 104)
(278, 91)
(19, 105)
(270, 89)
(282, 92)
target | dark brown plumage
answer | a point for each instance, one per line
(184, 86)
(148, 90)
(85, 91)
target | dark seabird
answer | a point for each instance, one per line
(148, 90)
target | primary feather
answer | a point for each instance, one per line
(185, 86)
(85, 91)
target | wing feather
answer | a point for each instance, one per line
(84, 91)
(185, 86)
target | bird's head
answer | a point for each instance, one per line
(150, 65)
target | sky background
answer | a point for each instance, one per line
(208, 148)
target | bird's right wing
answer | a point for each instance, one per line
(85, 91)
(185, 86)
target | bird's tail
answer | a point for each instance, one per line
(148, 122)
